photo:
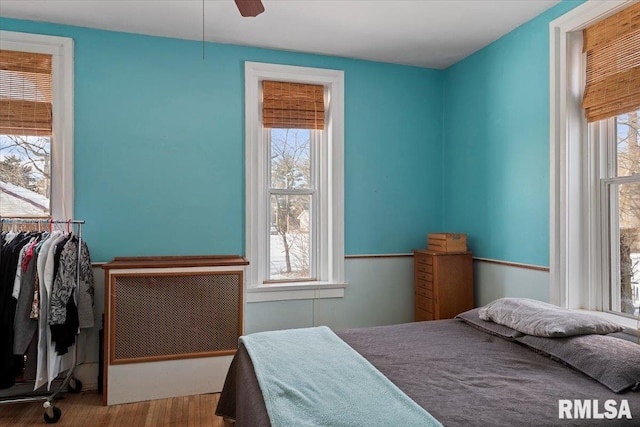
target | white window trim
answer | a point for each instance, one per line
(61, 49)
(577, 268)
(331, 244)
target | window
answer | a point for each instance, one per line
(293, 131)
(36, 125)
(621, 212)
(594, 181)
(294, 182)
(293, 201)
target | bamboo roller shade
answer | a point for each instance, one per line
(613, 65)
(292, 105)
(25, 93)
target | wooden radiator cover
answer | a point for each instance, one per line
(169, 309)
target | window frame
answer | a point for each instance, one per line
(579, 243)
(61, 49)
(330, 281)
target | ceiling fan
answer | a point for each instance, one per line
(250, 7)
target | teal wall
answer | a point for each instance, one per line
(159, 160)
(496, 145)
(159, 145)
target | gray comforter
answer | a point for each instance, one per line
(460, 375)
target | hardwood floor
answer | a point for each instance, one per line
(86, 410)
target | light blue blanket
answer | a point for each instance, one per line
(310, 377)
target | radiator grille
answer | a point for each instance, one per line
(168, 316)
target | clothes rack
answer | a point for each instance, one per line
(22, 394)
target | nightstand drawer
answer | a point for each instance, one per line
(422, 315)
(426, 284)
(423, 259)
(424, 268)
(425, 304)
(423, 292)
(424, 276)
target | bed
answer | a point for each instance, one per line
(473, 372)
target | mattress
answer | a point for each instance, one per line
(459, 374)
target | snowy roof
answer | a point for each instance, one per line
(19, 201)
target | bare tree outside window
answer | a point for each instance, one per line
(25, 175)
(291, 199)
(628, 162)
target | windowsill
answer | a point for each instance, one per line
(294, 291)
(630, 325)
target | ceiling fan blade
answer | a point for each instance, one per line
(250, 7)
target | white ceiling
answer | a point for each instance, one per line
(426, 33)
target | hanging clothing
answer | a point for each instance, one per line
(64, 282)
(71, 262)
(63, 336)
(24, 326)
(53, 362)
(9, 365)
(46, 301)
(18, 276)
(42, 374)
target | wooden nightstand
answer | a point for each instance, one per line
(443, 284)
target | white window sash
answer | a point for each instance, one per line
(315, 177)
(612, 299)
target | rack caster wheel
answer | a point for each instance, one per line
(74, 386)
(57, 413)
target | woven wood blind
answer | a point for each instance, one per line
(25, 93)
(292, 105)
(613, 65)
